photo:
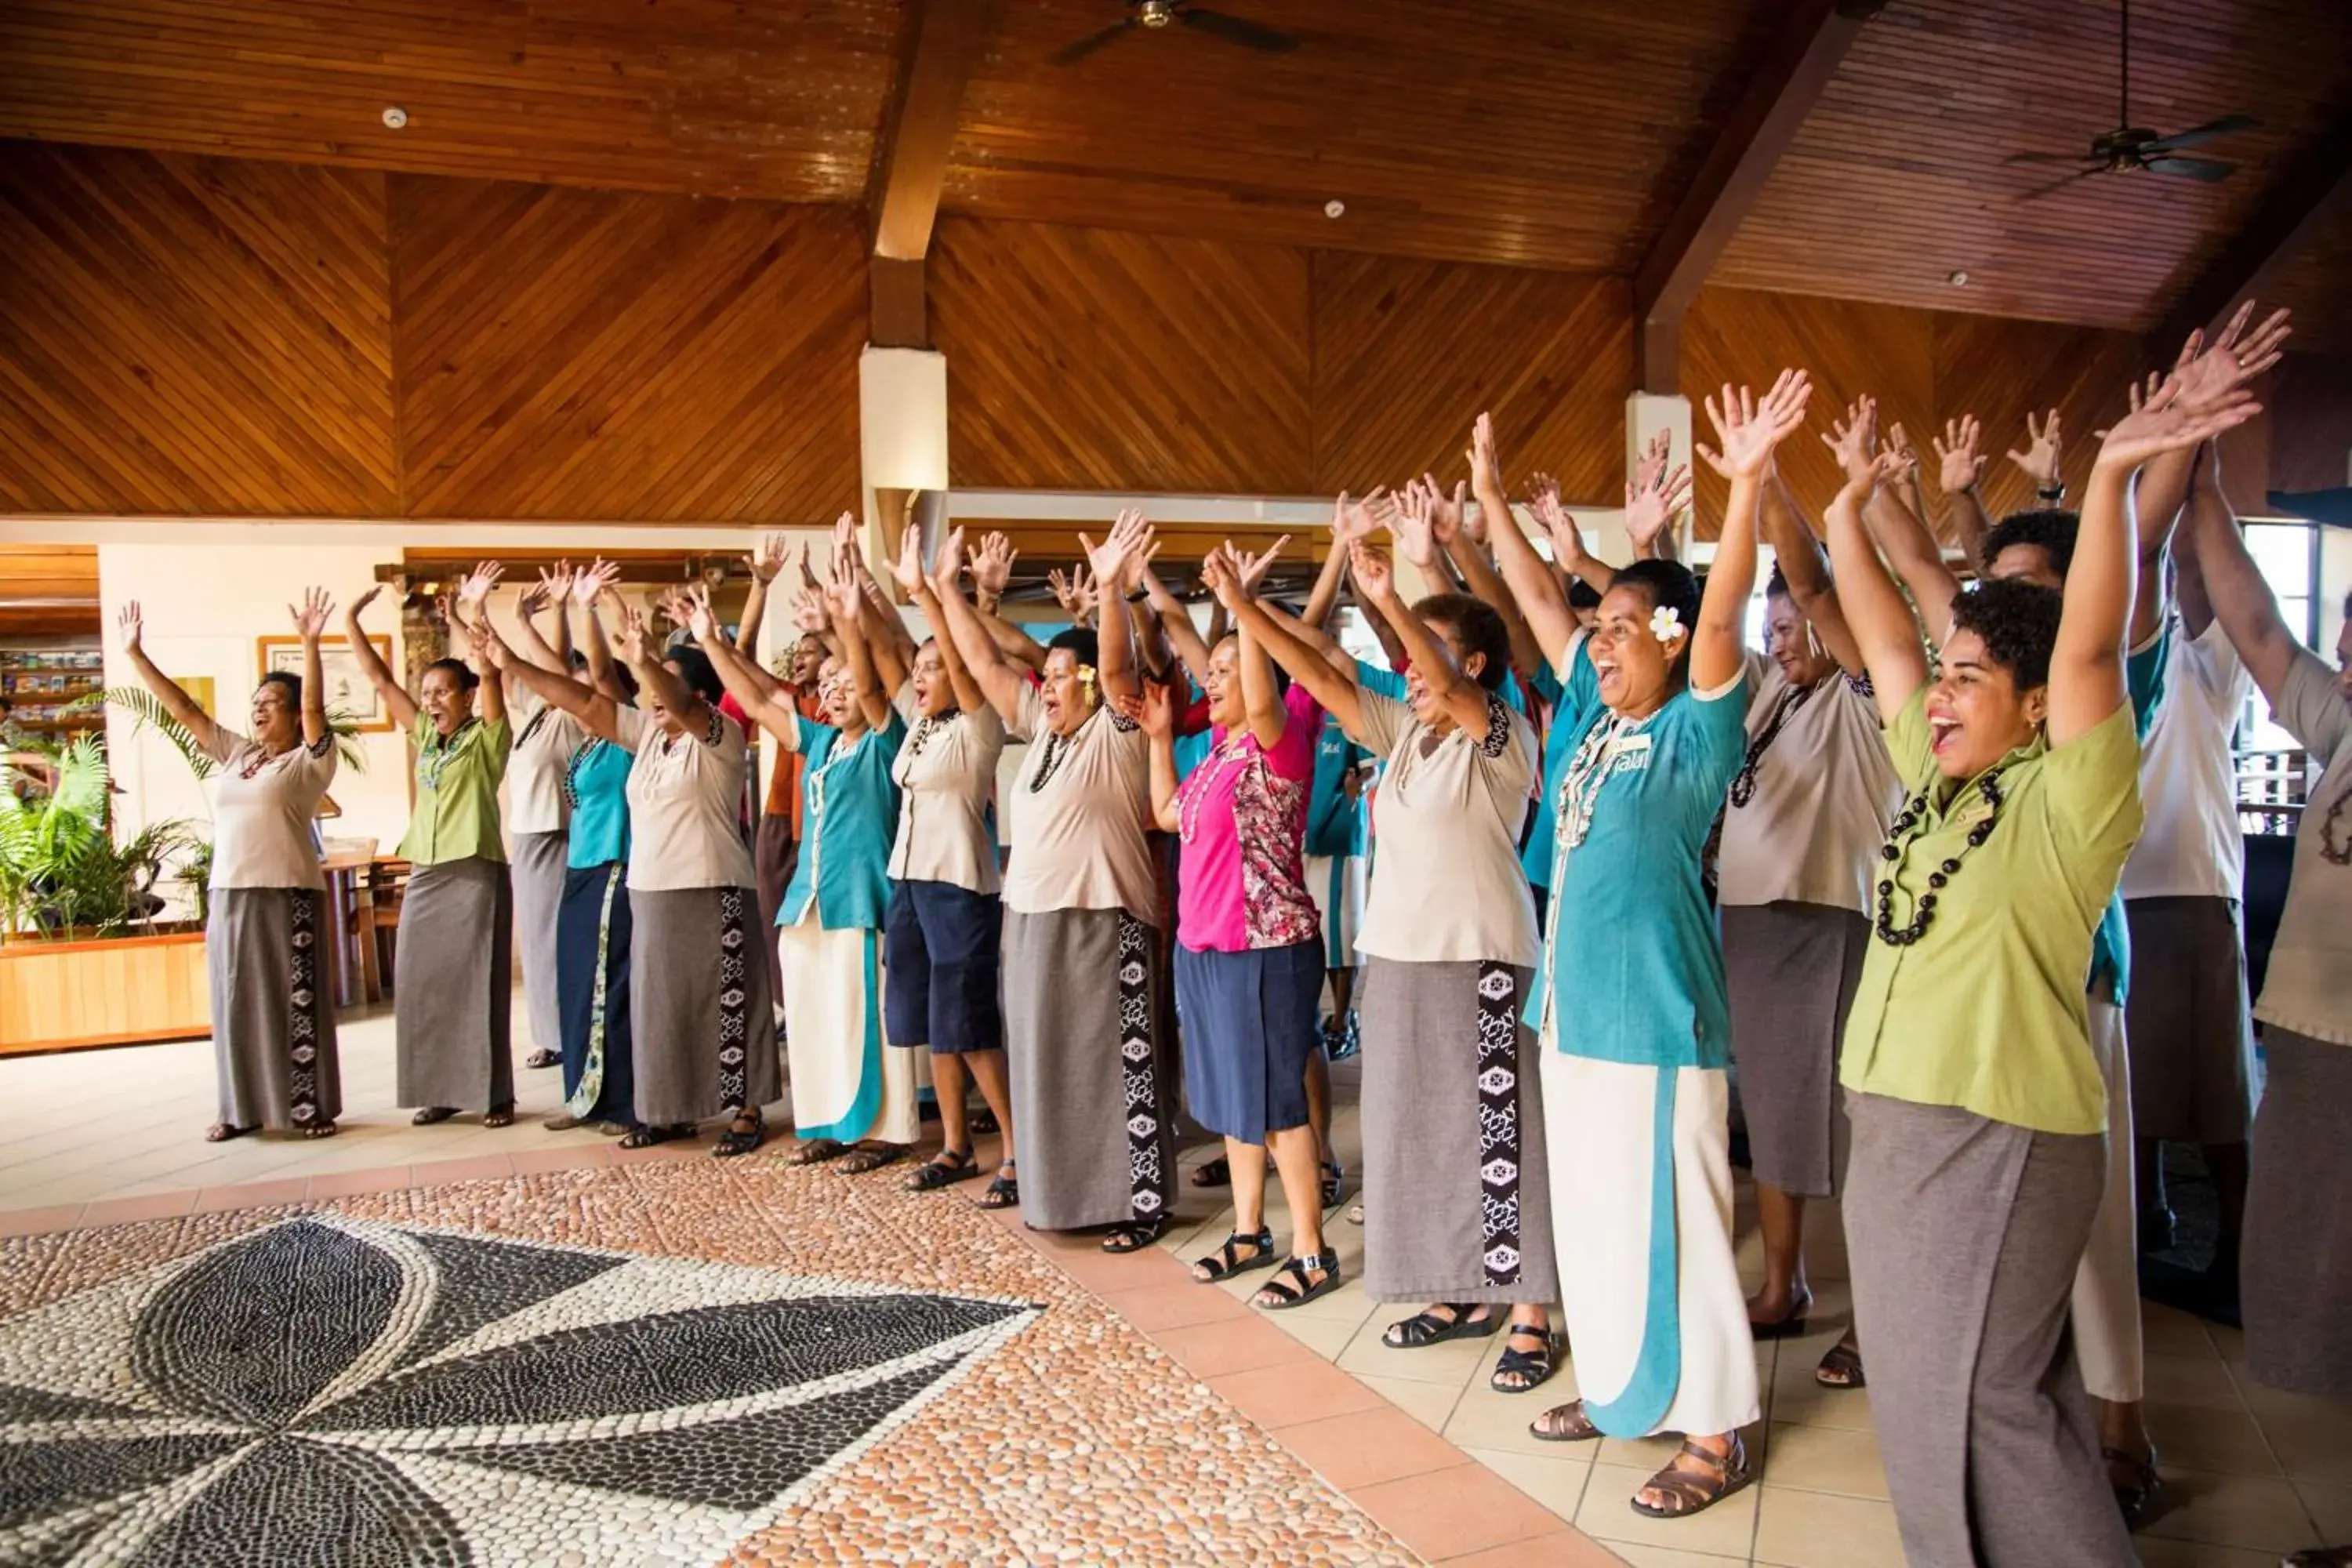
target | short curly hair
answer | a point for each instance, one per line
(2018, 622)
(2053, 530)
(1479, 629)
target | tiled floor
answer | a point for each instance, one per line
(1414, 1439)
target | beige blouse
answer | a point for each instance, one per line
(262, 807)
(545, 738)
(1808, 814)
(682, 795)
(1082, 799)
(1446, 818)
(945, 772)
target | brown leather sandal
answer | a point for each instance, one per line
(1842, 1368)
(1695, 1479)
(1564, 1423)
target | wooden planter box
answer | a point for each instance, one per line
(119, 990)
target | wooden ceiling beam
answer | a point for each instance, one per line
(1781, 90)
(2314, 190)
(910, 161)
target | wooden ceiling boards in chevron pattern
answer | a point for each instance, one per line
(1407, 353)
(587, 355)
(192, 335)
(1086, 359)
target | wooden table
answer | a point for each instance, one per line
(351, 921)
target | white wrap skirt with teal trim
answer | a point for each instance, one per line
(1641, 1218)
(845, 1086)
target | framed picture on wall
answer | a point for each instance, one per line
(349, 690)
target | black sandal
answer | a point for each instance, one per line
(432, 1114)
(321, 1130)
(982, 1123)
(1134, 1235)
(1426, 1328)
(1694, 1489)
(543, 1058)
(868, 1157)
(1216, 1173)
(1564, 1423)
(1288, 1294)
(1535, 1367)
(646, 1136)
(1228, 1261)
(944, 1169)
(1334, 1174)
(1003, 1193)
(1841, 1368)
(817, 1151)
(739, 1139)
(499, 1115)
(2137, 1498)
(1789, 1325)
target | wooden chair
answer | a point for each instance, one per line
(387, 884)
(346, 864)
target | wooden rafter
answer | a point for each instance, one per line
(1782, 89)
(910, 162)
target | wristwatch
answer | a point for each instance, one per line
(2053, 492)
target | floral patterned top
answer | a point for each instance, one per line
(1241, 820)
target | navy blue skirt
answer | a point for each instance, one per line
(591, 993)
(1248, 1020)
(941, 945)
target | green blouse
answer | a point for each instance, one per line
(456, 815)
(1985, 1011)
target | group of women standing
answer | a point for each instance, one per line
(1875, 867)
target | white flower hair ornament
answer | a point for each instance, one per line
(1666, 622)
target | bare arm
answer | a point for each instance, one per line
(1749, 429)
(1912, 551)
(596, 710)
(849, 612)
(2188, 565)
(1324, 597)
(397, 702)
(908, 570)
(311, 622)
(1262, 704)
(1155, 710)
(1462, 700)
(990, 670)
(1875, 608)
(1804, 565)
(2239, 598)
(767, 562)
(552, 587)
(1961, 469)
(1329, 685)
(1116, 562)
(181, 707)
(1177, 626)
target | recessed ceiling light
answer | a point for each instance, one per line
(1335, 207)
(1957, 279)
(394, 118)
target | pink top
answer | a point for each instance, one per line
(1241, 819)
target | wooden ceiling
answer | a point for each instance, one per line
(1555, 133)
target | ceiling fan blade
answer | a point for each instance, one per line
(2021, 158)
(2206, 169)
(2217, 129)
(1071, 54)
(2038, 193)
(1234, 30)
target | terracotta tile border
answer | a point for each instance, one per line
(1428, 1493)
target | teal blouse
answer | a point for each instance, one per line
(596, 784)
(849, 815)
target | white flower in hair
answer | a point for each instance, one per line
(1666, 622)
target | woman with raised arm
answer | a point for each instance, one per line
(942, 951)
(1091, 1096)
(452, 990)
(1456, 1197)
(1249, 969)
(1634, 1021)
(539, 816)
(273, 1011)
(592, 928)
(1976, 1101)
(853, 1099)
(2296, 1276)
(1802, 828)
(699, 1017)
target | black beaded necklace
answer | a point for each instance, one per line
(1056, 746)
(1899, 835)
(1743, 783)
(2328, 850)
(926, 726)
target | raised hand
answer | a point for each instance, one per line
(2165, 422)
(1649, 509)
(844, 595)
(363, 602)
(133, 626)
(629, 641)
(2209, 373)
(488, 652)
(1567, 542)
(2040, 458)
(474, 587)
(1253, 568)
(1651, 465)
(1854, 439)
(1485, 467)
(534, 598)
(1375, 579)
(768, 557)
(1446, 516)
(1415, 529)
(809, 614)
(591, 583)
(311, 616)
(1221, 576)
(1960, 464)
(1074, 591)
(1353, 520)
(1120, 558)
(948, 562)
(1899, 446)
(1154, 709)
(695, 604)
(992, 568)
(907, 569)
(1749, 427)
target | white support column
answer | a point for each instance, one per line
(902, 425)
(1646, 413)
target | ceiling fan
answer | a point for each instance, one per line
(2129, 148)
(1155, 14)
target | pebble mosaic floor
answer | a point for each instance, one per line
(661, 1362)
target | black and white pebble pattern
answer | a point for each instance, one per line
(332, 1391)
